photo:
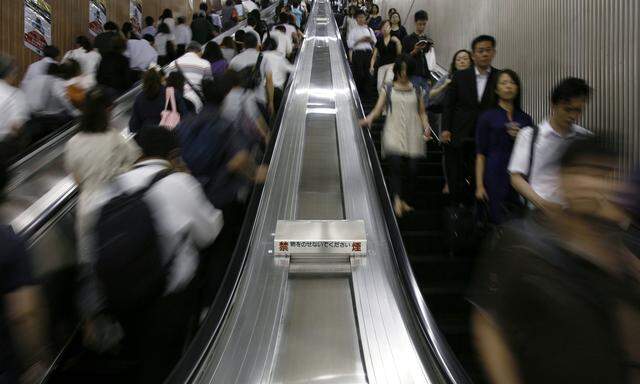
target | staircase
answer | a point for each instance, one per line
(443, 277)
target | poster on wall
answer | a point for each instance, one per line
(135, 15)
(37, 25)
(97, 16)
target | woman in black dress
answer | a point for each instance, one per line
(397, 29)
(387, 50)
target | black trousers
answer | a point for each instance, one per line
(460, 171)
(360, 64)
(404, 171)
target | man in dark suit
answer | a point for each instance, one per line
(468, 96)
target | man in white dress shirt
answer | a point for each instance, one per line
(141, 53)
(194, 69)
(50, 55)
(536, 175)
(183, 36)
(361, 40)
(14, 110)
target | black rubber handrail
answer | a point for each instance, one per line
(448, 363)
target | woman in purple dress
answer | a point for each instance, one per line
(496, 131)
(213, 54)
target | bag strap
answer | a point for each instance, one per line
(388, 89)
(256, 68)
(156, 178)
(171, 97)
(196, 90)
(532, 150)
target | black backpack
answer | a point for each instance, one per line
(129, 263)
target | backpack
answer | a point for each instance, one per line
(389, 88)
(129, 264)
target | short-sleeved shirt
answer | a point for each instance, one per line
(555, 309)
(544, 178)
(15, 273)
(388, 53)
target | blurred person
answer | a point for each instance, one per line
(397, 29)
(386, 52)
(360, 42)
(213, 54)
(350, 21)
(167, 18)
(201, 29)
(183, 36)
(128, 32)
(290, 30)
(88, 58)
(50, 55)
(375, 20)
(49, 103)
(469, 94)
(406, 130)
(150, 103)
(275, 70)
(24, 355)
(14, 109)
(75, 82)
(249, 56)
(420, 46)
(239, 9)
(534, 174)
(496, 132)
(104, 40)
(229, 15)
(193, 68)
(149, 28)
(113, 71)
(219, 156)
(165, 44)
(297, 12)
(250, 6)
(252, 24)
(437, 95)
(141, 54)
(283, 42)
(228, 48)
(557, 298)
(183, 223)
(238, 38)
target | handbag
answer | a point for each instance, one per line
(170, 118)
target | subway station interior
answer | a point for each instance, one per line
(373, 241)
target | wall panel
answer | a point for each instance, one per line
(546, 40)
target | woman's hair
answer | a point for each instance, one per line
(127, 29)
(228, 42)
(84, 42)
(95, 111)
(399, 18)
(452, 68)
(385, 21)
(391, 11)
(495, 99)
(212, 52)
(166, 14)
(175, 80)
(152, 83)
(164, 28)
(375, 6)
(118, 44)
(403, 62)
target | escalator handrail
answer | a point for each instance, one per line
(43, 217)
(206, 335)
(450, 366)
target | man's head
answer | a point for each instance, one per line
(283, 18)
(253, 21)
(149, 37)
(483, 49)
(204, 7)
(181, 20)
(216, 90)
(83, 42)
(568, 100)
(51, 52)
(7, 68)
(158, 143)
(250, 41)
(361, 18)
(110, 26)
(587, 178)
(421, 18)
(194, 47)
(148, 21)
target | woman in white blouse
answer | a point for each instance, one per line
(165, 44)
(167, 18)
(93, 157)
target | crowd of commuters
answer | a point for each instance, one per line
(173, 196)
(556, 290)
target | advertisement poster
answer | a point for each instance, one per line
(37, 25)
(135, 15)
(97, 16)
